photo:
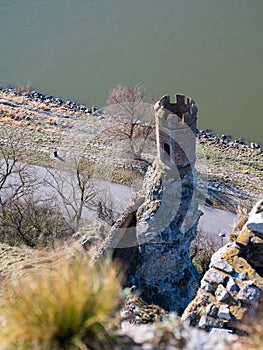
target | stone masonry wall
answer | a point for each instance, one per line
(176, 130)
(233, 285)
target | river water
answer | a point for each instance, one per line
(211, 50)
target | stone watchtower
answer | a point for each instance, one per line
(166, 222)
(156, 231)
(176, 131)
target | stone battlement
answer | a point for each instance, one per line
(176, 131)
(185, 111)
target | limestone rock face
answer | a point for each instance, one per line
(234, 283)
(166, 224)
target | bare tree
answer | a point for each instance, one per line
(25, 217)
(16, 179)
(74, 188)
(202, 248)
(129, 118)
(12, 179)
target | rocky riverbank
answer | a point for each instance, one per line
(227, 141)
(48, 100)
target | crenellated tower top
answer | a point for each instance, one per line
(176, 131)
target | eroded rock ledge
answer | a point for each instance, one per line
(233, 285)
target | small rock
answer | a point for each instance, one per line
(223, 265)
(212, 310)
(187, 317)
(242, 276)
(204, 322)
(215, 277)
(207, 286)
(219, 332)
(224, 313)
(217, 256)
(222, 294)
(249, 294)
(255, 220)
(232, 286)
(244, 238)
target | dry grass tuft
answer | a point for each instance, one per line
(242, 217)
(66, 308)
(24, 89)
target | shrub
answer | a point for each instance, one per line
(66, 308)
(202, 248)
(32, 223)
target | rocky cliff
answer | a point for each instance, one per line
(233, 285)
(166, 224)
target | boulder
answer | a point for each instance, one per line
(222, 295)
(224, 312)
(249, 294)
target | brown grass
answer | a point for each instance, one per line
(68, 307)
(24, 89)
(242, 216)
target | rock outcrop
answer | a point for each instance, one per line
(233, 285)
(152, 239)
(166, 224)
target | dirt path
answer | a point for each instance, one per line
(215, 221)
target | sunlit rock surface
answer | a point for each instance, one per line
(233, 285)
(166, 224)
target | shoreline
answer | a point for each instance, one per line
(203, 135)
(43, 98)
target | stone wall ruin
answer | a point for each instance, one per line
(233, 285)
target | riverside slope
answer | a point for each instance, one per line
(231, 169)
